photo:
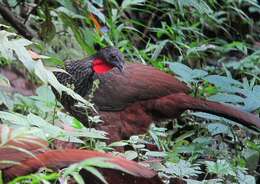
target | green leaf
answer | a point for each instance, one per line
(14, 118)
(221, 81)
(68, 5)
(130, 155)
(182, 169)
(244, 178)
(5, 49)
(227, 98)
(118, 144)
(207, 116)
(221, 167)
(49, 129)
(156, 154)
(78, 178)
(127, 3)
(45, 99)
(235, 45)
(186, 73)
(8, 45)
(181, 70)
(218, 128)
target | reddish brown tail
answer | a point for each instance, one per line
(173, 105)
(225, 111)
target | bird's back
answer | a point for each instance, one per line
(138, 82)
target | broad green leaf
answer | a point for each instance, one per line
(182, 169)
(186, 73)
(5, 47)
(130, 155)
(19, 47)
(198, 74)
(220, 167)
(207, 116)
(181, 70)
(49, 129)
(220, 81)
(218, 128)
(45, 99)
(68, 5)
(44, 92)
(14, 118)
(227, 98)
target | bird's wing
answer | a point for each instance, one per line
(136, 83)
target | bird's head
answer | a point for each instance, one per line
(108, 58)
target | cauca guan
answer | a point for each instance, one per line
(132, 96)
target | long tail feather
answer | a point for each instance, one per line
(174, 105)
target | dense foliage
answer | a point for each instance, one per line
(212, 45)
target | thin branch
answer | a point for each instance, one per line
(15, 22)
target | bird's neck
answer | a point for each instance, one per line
(100, 66)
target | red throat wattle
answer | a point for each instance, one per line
(100, 66)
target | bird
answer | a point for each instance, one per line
(130, 96)
(32, 153)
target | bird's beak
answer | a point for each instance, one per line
(118, 64)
